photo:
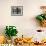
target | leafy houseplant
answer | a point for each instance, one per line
(42, 19)
(11, 31)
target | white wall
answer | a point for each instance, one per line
(25, 24)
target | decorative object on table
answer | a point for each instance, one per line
(10, 31)
(37, 43)
(42, 17)
(16, 10)
(23, 40)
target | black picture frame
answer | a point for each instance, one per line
(16, 10)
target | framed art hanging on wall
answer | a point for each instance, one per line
(16, 10)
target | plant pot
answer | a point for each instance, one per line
(13, 38)
(43, 23)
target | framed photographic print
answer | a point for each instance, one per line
(16, 10)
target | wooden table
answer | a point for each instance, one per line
(25, 44)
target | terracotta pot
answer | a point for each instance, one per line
(43, 23)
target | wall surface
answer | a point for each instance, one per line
(25, 24)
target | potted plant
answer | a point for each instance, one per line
(10, 31)
(42, 17)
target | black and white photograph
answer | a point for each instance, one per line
(16, 10)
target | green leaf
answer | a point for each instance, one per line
(40, 18)
(10, 31)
